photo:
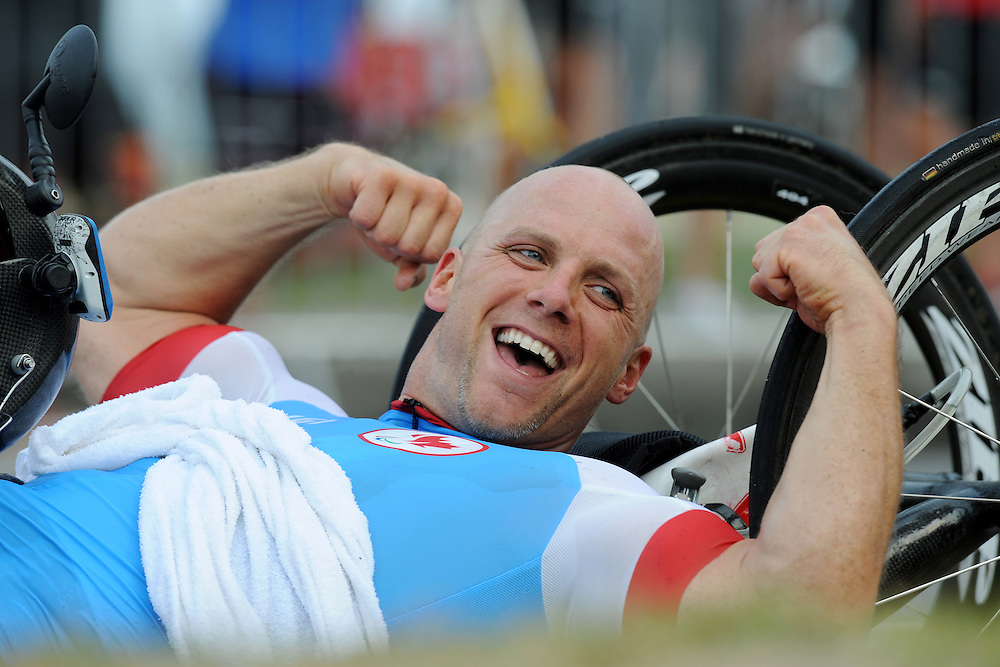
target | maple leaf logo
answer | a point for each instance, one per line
(433, 441)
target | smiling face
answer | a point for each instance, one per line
(544, 311)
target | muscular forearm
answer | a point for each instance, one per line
(822, 541)
(191, 255)
(823, 536)
(201, 248)
(834, 507)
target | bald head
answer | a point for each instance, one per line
(592, 197)
(544, 310)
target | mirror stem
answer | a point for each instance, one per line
(43, 196)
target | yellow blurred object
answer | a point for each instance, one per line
(523, 105)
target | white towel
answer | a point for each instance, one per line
(251, 539)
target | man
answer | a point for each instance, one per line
(545, 309)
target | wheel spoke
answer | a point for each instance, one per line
(979, 350)
(729, 321)
(667, 402)
(668, 378)
(659, 408)
(952, 575)
(764, 355)
(933, 496)
(988, 624)
(952, 418)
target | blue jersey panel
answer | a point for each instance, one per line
(69, 562)
(441, 519)
(440, 508)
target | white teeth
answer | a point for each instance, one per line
(517, 337)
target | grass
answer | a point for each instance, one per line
(747, 641)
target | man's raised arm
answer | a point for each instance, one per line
(824, 534)
(192, 254)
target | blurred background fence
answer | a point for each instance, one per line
(478, 93)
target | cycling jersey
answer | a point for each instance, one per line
(468, 536)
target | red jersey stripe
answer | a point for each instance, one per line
(676, 552)
(164, 360)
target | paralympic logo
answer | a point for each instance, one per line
(417, 442)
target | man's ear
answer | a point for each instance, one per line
(629, 378)
(439, 289)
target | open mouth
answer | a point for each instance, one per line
(530, 356)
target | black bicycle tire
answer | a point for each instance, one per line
(900, 218)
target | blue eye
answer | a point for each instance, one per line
(531, 254)
(608, 293)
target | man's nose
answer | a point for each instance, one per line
(554, 295)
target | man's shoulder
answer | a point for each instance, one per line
(164, 360)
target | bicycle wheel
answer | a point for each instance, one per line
(714, 164)
(914, 231)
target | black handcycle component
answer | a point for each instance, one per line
(941, 522)
(65, 89)
(51, 270)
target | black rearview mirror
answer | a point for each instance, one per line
(72, 71)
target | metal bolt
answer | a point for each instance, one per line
(22, 364)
